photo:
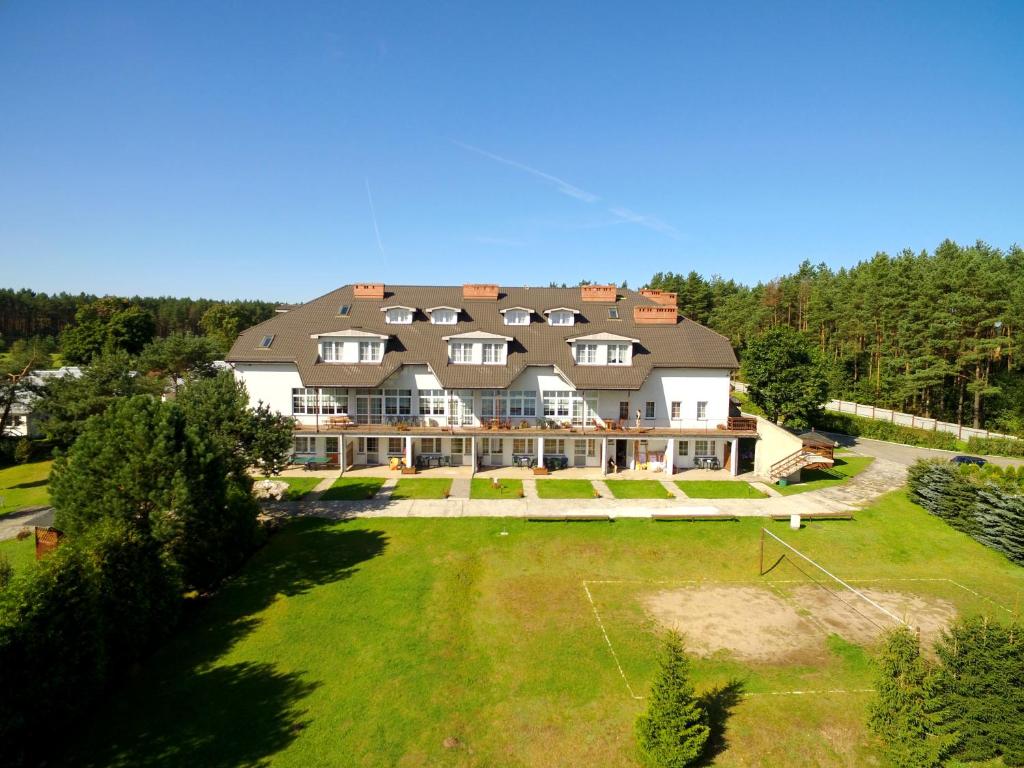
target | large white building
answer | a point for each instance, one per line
(484, 375)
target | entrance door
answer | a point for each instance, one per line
(621, 458)
(331, 449)
(372, 449)
(727, 455)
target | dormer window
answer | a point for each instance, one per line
(443, 315)
(517, 316)
(561, 316)
(494, 353)
(371, 351)
(586, 354)
(618, 354)
(331, 351)
(398, 315)
(461, 352)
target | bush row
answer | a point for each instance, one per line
(858, 426)
(996, 446)
(987, 505)
(72, 625)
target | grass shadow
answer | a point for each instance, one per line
(32, 484)
(184, 706)
(719, 703)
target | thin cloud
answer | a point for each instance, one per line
(621, 214)
(644, 220)
(373, 215)
(561, 185)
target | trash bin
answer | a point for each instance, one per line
(794, 522)
(783, 482)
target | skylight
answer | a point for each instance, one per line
(613, 313)
(344, 309)
(266, 341)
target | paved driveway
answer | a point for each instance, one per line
(26, 518)
(905, 454)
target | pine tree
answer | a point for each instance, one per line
(674, 730)
(899, 714)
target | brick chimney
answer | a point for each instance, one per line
(654, 315)
(665, 298)
(606, 294)
(480, 291)
(368, 291)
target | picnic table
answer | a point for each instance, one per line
(427, 460)
(706, 462)
(524, 460)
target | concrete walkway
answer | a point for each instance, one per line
(880, 477)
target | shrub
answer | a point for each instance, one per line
(899, 714)
(996, 446)
(858, 426)
(674, 730)
(23, 451)
(6, 570)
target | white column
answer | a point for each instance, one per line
(540, 451)
(472, 453)
(670, 454)
(604, 455)
(341, 453)
(735, 459)
(408, 452)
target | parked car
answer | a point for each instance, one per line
(976, 460)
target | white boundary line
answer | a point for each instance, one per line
(615, 657)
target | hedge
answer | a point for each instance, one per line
(858, 426)
(69, 627)
(987, 504)
(996, 446)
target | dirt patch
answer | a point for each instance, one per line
(759, 624)
(749, 622)
(851, 618)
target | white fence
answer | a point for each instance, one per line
(909, 419)
(896, 417)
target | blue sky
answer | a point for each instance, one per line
(245, 148)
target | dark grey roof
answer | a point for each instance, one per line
(685, 344)
(816, 438)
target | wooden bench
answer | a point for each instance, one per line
(817, 516)
(673, 516)
(570, 519)
(339, 422)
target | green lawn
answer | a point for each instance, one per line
(20, 554)
(353, 489)
(422, 488)
(297, 486)
(482, 488)
(565, 489)
(371, 642)
(719, 489)
(846, 466)
(637, 489)
(24, 485)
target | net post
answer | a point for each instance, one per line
(760, 563)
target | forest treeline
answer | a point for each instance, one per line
(933, 334)
(27, 314)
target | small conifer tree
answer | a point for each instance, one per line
(899, 714)
(674, 730)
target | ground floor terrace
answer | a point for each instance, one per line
(655, 451)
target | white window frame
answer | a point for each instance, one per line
(709, 448)
(561, 317)
(683, 447)
(460, 352)
(517, 317)
(522, 403)
(493, 352)
(371, 351)
(702, 409)
(331, 351)
(676, 409)
(444, 317)
(398, 316)
(586, 354)
(432, 402)
(303, 445)
(618, 354)
(650, 409)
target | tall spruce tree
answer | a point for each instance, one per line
(674, 730)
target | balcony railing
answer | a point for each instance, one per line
(742, 423)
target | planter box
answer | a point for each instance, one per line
(540, 470)
(408, 470)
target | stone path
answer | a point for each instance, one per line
(880, 477)
(460, 488)
(602, 488)
(674, 489)
(764, 488)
